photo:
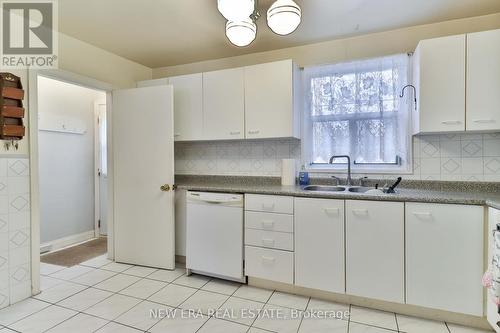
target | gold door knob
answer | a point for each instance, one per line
(165, 188)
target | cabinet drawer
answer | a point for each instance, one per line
(269, 221)
(269, 203)
(274, 265)
(270, 239)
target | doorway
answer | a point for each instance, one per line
(72, 169)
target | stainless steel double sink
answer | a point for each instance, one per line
(328, 188)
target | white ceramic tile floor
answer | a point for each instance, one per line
(167, 276)
(60, 292)
(172, 295)
(71, 272)
(93, 277)
(85, 299)
(97, 262)
(81, 323)
(139, 271)
(43, 320)
(117, 282)
(122, 304)
(47, 269)
(143, 288)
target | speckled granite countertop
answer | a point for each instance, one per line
(485, 194)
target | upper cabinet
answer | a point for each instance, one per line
(439, 77)
(457, 79)
(483, 80)
(252, 102)
(188, 107)
(271, 100)
(224, 104)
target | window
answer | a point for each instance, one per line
(354, 109)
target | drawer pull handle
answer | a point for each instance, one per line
(268, 206)
(177, 135)
(268, 225)
(268, 242)
(363, 212)
(235, 133)
(484, 121)
(423, 215)
(332, 211)
(268, 260)
(451, 122)
(253, 132)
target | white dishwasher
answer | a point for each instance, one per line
(214, 240)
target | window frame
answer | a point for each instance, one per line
(307, 145)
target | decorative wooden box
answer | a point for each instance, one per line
(11, 107)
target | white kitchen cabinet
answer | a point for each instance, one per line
(224, 104)
(269, 203)
(444, 257)
(319, 244)
(188, 107)
(375, 250)
(269, 264)
(272, 100)
(439, 77)
(483, 80)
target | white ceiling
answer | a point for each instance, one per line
(160, 33)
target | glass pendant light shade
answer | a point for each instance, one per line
(284, 16)
(241, 33)
(236, 10)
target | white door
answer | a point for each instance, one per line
(483, 80)
(319, 244)
(224, 104)
(102, 169)
(143, 159)
(375, 250)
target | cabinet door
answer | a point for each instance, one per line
(441, 84)
(375, 250)
(188, 109)
(224, 104)
(483, 80)
(269, 103)
(319, 244)
(444, 257)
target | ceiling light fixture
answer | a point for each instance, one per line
(241, 33)
(283, 17)
(236, 10)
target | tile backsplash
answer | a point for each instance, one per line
(15, 252)
(449, 157)
(237, 158)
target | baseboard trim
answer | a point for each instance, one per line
(403, 309)
(61, 243)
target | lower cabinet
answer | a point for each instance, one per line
(444, 257)
(319, 244)
(269, 237)
(375, 250)
(269, 264)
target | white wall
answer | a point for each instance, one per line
(66, 161)
(338, 50)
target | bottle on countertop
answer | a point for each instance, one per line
(303, 176)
